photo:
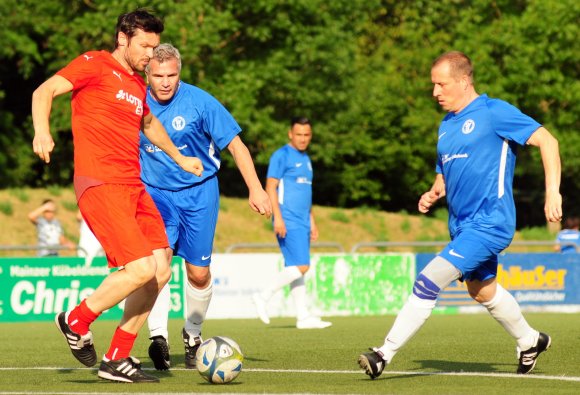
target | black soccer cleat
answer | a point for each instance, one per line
(81, 346)
(125, 370)
(190, 350)
(372, 363)
(159, 353)
(528, 358)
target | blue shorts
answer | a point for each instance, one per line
(295, 247)
(190, 217)
(474, 254)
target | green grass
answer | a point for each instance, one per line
(36, 360)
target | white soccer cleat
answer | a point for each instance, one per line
(312, 323)
(260, 304)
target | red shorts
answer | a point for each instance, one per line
(125, 220)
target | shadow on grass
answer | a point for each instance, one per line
(452, 366)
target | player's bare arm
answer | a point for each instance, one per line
(313, 228)
(436, 192)
(258, 198)
(43, 144)
(156, 133)
(549, 150)
(279, 225)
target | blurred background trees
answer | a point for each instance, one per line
(360, 69)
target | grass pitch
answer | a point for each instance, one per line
(452, 354)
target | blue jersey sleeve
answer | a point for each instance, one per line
(277, 165)
(510, 123)
(219, 122)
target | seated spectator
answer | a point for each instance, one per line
(48, 228)
(568, 238)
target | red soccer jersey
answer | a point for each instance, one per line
(108, 105)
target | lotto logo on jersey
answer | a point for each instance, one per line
(138, 103)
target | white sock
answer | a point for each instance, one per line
(285, 277)
(197, 303)
(298, 292)
(157, 320)
(409, 320)
(506, 310)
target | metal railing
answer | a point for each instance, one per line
(252, 246)
(433, 244)
(38, 247)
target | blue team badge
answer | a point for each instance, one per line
(468, 126)
(178, 123)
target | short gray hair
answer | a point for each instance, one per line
(164, 52)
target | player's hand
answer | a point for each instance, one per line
(192, 165)
(427, 200)
(260, 202)
(314, 233)
(42, 145)
(553, 206)
(280, 228)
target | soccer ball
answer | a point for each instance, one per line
(219, 360)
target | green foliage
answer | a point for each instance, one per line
(406, 225)
(6, 208)
(537, 233)
(359, 69)
(70, 205)
(20, 194)
(54, 190)
(340, 216)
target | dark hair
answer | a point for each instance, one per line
(459, 64)
(572, 223)
(300, 120)
(139, 19)
(47, 201)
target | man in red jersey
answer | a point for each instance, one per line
(108, 110)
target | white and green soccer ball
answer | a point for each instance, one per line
(219, 360)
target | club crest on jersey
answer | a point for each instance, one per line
(178, 123)
(468, 126)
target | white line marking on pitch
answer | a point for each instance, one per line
(385, 373)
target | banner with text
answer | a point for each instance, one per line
(539, 280)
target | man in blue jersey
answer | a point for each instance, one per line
(476, 153)
(196, 122)
(568, 238)
(289, 185)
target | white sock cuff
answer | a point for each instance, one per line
(422, 303)
(499, 294)
(200, 294)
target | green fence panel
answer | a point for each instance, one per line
(357, 284)
(35, 289)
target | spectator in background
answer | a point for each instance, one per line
(289, 185)
(49, 229)
(568, 238)
(89, 246)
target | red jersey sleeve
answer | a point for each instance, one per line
(81, 71)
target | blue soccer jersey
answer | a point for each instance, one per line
(294, 171)
(198, 125)
(477, 155)
(570, 240)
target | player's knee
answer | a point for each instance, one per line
(199, 279)
(143, 272)
(425, 289)
(163, 276)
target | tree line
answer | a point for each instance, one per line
(360, 69)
